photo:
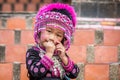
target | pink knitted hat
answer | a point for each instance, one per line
(48, 15)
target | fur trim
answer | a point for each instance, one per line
(59, 6)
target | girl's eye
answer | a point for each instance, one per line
(59, 35)
(49, 31)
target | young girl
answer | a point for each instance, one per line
(48, 60)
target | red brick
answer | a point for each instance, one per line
(23, 1)
(6, 71)
(106, 54)
(48, 1)
(6, 36)
(15, 53)
(11, 1)
(6, 7)
(18, 7)
(27, 37)
(1, 1)
(112, 37)
(96, 72)
(42, 4)
(35, 1)
(31, 7)
(83, 37)
(16, 23)
(23, 74)
(77, 53)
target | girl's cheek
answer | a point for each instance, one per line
(44, 37)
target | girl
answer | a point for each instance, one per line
(48, 60)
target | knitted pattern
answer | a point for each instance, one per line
(45, 17)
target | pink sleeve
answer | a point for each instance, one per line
(46, 62)
(69, 67)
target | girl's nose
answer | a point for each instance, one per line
(52, 38)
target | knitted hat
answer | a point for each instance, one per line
(56, 14)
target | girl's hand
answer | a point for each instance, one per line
(50, 47)
(61, 53)
(60, 49)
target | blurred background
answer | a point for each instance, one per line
(95, 45)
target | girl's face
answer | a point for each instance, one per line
(53, 34)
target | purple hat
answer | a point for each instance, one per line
(48, 15)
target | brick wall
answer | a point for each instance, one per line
(95, 45)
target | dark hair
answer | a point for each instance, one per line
(63, 11)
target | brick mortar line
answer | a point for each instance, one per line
(98, 19)
(97, 27)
